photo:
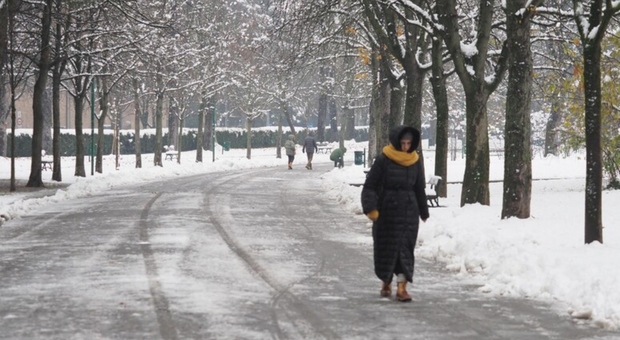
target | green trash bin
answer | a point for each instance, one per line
(226, 146)
(359, 157)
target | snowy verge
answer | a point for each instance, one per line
(541, 258)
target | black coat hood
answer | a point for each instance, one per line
(397, 132)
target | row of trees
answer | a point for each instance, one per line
(168, 59)
(511, 46)
(396, 61)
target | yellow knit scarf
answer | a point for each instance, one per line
(401, 157)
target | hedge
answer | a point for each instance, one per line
(261, 138)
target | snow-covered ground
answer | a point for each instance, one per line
(542, 257)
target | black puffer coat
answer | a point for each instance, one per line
(397, 192)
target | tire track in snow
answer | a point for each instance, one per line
(285, 200)
(162, 307)
(296, 309)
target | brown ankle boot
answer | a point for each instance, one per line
(401, 292)
(386, 289)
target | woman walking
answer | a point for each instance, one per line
(393, 198)
(289, 146)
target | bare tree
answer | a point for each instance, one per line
(17, 74)
(43, 65)
(8, 10)
(593, 18)
(470, 57)
(440, 93)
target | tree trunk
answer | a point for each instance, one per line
(57, 72)
(159, 107)
(348, 113)
(333, 120)
(388, 31)
(116, 142)
(553, 125)
(201, 124)
(13, 118)
(180, 137)
(8, 10)
(341, 135)
(413, 103)
(384, 110)
(173, 122)
(210, 124)
(517, 192)
(103, 107)
(440, 93)
(144, 115)
(476, 177)
(137, 113)
(279, 138)
(289, 119)
(78, 104)
(322, 110)
(349, 116)
(13, 86)
(284, 108)
(372, 130)
(322, 116)
(373, 108)
(594, 165)
(5, 12)
(47, 121)
(35, 179)
(396, 102)
(3, 119)
(478, 85)
(248, 134)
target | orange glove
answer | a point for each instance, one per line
(373, 215)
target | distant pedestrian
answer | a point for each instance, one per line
(289, 146)
(337, 156)
(309, 148)
(393, 198)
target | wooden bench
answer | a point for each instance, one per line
(432, 194)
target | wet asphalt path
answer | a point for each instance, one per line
(253, 254)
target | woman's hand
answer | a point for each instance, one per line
(373, 215)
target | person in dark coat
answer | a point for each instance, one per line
(393, 198)
(309, 148)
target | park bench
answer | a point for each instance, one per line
(432, 192)
(171, 153)
(323, 148)
(45, 165)
(46, 161)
